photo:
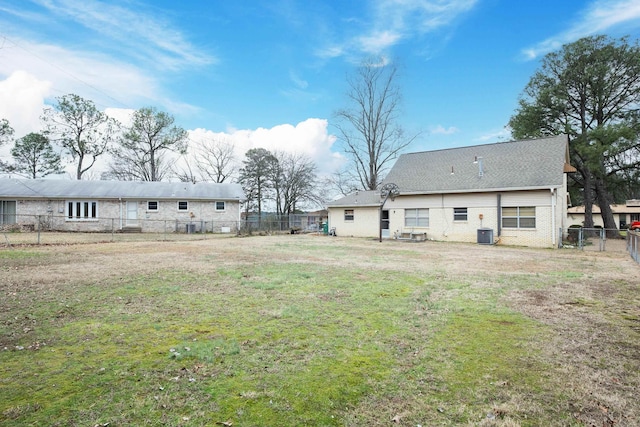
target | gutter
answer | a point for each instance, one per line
(476, 190)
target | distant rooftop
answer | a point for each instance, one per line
(55, 189)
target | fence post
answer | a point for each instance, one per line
(580, 238)
(39, 227)
(560, 237)
(112, 228)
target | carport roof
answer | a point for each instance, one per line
(358, 198)
(56, 189)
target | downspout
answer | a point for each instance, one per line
(239, 216)
(553, 217)
(120, 200)
(499, 202)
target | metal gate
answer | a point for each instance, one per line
(594, 239)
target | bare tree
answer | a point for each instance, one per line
(294, 181)
(144, 145)
(341, 182)
(83, 131)
(215, 159)
(369, 128)
(184, 171)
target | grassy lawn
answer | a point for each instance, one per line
(316, 331)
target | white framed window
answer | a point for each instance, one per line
(348, 215)
(459, 214)
(152, 205)
(183, 205)
(416, 217)
(81, 210)
(7, 212)
(519, 217)
(220, 206)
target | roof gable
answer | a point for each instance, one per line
(535, 163)
(56, 189)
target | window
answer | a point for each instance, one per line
(183, 206)
(81, 210)
(152, 206)
(220, 206)
(416, 217)
(519, 217)
(459, 214)
(348, 215)
(7, 212)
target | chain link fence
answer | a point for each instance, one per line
(594, 239)
(18, 229)
(633, 245)
(55, 229)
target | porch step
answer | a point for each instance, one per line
(131, 229)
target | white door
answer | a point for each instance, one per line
(132, 213)
(384, 224)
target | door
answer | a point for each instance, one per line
(384, 224)
(132, 213)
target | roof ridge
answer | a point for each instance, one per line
(487, 144)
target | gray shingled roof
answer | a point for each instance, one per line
(526, 164)
(54, 189)
(358, 198)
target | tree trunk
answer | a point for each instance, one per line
(604, 201)
(588, 199)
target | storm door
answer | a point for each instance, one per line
(384, 224)
(132, 213)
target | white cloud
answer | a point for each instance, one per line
(77, 72)
(297, 80)
(441, 130)
(22, 101)
(378, 42)
(118, 62)
(597, 18)
(495, 136)
(309, 137)
(138, 34)
(396, 20)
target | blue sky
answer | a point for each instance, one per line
(271, 73)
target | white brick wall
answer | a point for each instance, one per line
(482, 212)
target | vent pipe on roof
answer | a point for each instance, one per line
(478, 161)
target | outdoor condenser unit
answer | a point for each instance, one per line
(485, 236)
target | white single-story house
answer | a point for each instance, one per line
(623, 215)
(512, 193)
(120, 205)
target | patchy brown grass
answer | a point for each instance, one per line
(573, 317)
